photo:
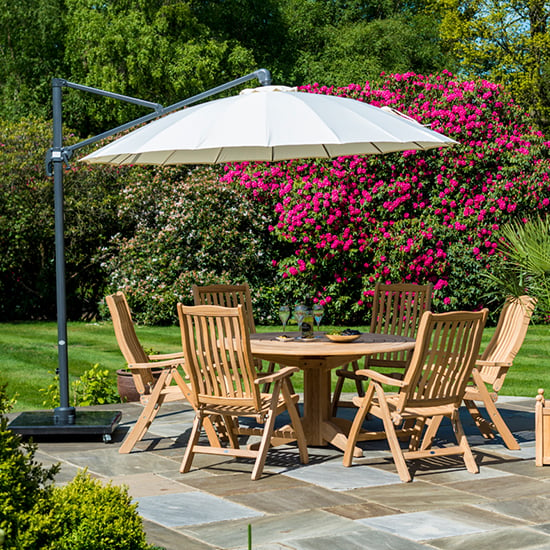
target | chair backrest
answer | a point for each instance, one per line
(227, 296)
(216, 346)
(128, 341)
(446, 349)
(507, 339)
(397, 309)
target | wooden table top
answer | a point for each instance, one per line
(366, 344)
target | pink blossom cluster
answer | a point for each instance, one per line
(413, 216)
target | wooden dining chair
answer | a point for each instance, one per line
(432, 388)
(226, 296)
(396, 309)
(493, 366)
(224, 383)
(153, 393)
(232, 296)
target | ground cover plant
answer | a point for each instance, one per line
(29, 359)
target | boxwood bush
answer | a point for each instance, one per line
(82, 515)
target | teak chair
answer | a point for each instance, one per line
(224, 383)
(493, 365)
(396, 309)
(153, 393)
(432, 388)
(227, 296)
(231, 296)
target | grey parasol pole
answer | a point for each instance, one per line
(64, 419)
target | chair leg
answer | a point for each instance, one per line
(358, 381)
(467, 455)
(336, 395)
(193, 440)
(296, 422)
(229, 423)
(340, 385)
(501, 427)
(148, 414)
(357, 423)
(393, 441)
(268, 431)
(433, 426)
(210, 426)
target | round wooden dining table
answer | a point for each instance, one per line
(316, 358)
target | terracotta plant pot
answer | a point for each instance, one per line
(126, 387)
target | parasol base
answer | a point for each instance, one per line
(86, 423)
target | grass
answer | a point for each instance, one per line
(28, 355)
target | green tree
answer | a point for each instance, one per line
(332, 43)
(31, 53)
(27, 268)
(506, 41)
(154, 50)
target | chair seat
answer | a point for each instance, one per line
(235, 410)
(473, 394)
(409, 412)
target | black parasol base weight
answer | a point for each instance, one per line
(86, 423)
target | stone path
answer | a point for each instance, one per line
(323, 505)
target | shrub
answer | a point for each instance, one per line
(84, 515)
(27, 268)
(190, 229)
(23, 482)
(414, 216)
(94, 387)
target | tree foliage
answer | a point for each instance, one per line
(165, 51)
(31, 53)
(27, 270)
(506, 41)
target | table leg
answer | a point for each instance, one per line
(317, 421)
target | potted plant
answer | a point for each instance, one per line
(126, 385)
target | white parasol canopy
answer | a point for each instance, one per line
(270, 123)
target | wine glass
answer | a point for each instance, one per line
(318, 312)
(299, 314)
(284, 315)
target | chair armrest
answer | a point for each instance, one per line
(163, 356)
(168, 363)
(282, 373)
(483, 363)
(382, 378)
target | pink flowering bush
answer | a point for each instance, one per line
(413, 216)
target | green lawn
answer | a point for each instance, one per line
(29, 356)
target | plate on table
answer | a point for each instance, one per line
(342, 338)
(284, 338)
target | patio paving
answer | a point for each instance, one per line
(322, 505)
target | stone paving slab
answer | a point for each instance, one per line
(191, 508)
(523, 538)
